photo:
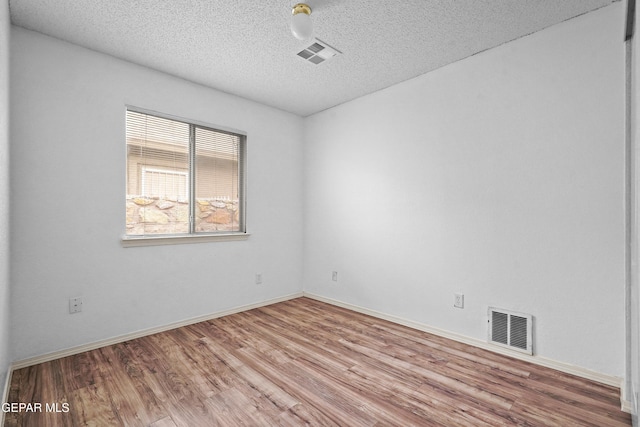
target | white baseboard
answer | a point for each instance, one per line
(139, 334)
(538, 360)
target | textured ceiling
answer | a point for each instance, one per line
(245, 47)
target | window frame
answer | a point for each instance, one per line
(192, 236)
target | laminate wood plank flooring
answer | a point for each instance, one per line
(305, 363)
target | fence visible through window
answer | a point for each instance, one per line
(165, 184)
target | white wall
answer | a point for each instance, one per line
(4, 193)
(500, 176)
(68, 130)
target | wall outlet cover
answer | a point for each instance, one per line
(75, 305)
(458, 300)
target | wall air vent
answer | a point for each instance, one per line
(318, 52)
(510, 329)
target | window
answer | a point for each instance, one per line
(183, 179)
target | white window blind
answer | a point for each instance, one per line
(182, 178)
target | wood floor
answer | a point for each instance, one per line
(302, 362)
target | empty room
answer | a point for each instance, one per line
(333, 213)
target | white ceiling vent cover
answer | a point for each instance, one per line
(318, 52)
(510, 329)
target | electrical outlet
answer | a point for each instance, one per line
(334, 276)
(258, 278)
(458, 300)
(75, 305)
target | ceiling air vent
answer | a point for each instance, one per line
(510, 329)
(318, 52)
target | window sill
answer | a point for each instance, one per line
(137, 241)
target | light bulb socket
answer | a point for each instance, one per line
(301, 8)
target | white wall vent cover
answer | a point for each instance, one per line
(510, 329)
(318, 52)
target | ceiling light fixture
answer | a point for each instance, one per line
(301, 26)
